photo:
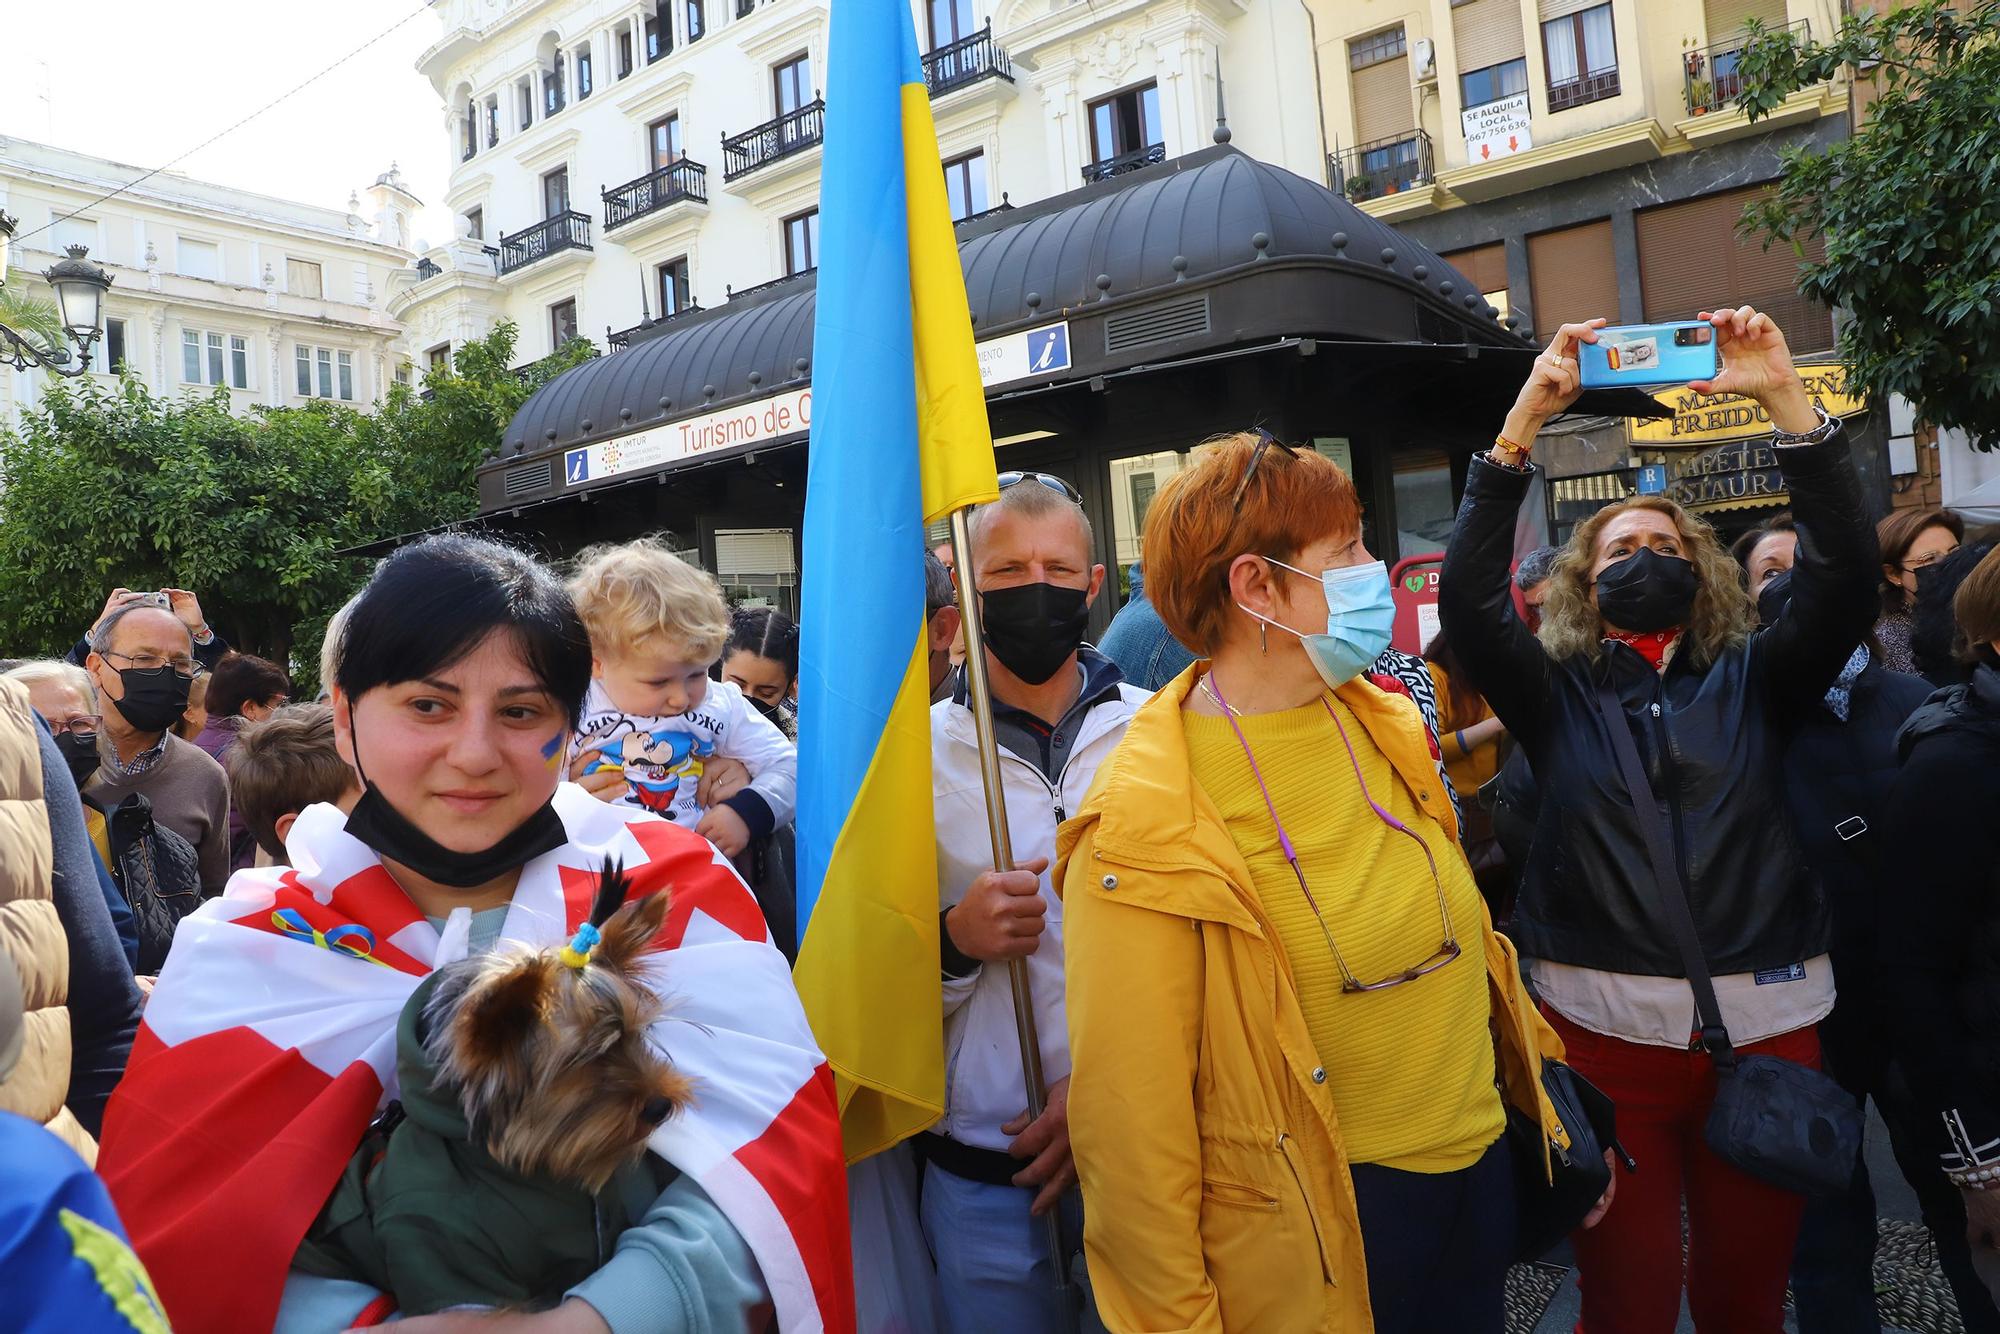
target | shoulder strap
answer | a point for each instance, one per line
(1666, 877)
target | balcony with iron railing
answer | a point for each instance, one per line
(620, 340)
(1117, 166)
(428, 268)
(1380, 167)
(565, 231)
(793, 132)
(681, 179)
(1592, 86)
(967, 61)
(1708, 74)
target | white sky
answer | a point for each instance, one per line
(143, 81)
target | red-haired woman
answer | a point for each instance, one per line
(1283, 989)
(1645, 600)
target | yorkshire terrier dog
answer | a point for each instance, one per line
(517, 1153)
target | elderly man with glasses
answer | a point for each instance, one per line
(142, 660)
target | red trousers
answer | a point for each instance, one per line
(1741, 1231)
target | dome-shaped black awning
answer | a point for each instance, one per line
(1207, 252)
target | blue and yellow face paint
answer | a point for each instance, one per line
(552, 753)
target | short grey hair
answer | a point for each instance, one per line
(329, 645)
(42, 671)
(938, 592)
(100, 638)
(1535, 567)
(1029, 499)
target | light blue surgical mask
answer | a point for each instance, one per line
(1360, 617)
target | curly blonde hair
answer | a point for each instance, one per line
(1722, 615)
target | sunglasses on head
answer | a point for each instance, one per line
(1265, 440)
(1050, 480)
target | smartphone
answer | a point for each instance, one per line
(1646, 354)
(160, 600)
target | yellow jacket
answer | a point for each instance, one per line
(1216, 1191)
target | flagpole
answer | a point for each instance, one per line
(980, 697)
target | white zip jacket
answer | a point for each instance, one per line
(983, 1083)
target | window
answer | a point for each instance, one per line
(562, 322)
(675, 295)
(552, 89)
(114, 345)
(664, 135)
(1366, 51)
(199, 259)
(526, 90)
(583, 84)
(1485, 268)
(302, 278)
(624, 53)
(492, 121)
(471, 134)
(1127, 122)
(402, 372)
(203, 360)
(802, 242)
(555, 193)
(1493, 83)
(791, 84)
(435, 359)
(951, 21)
(1689, 250)
(1572, 275)
(965, 185)
(315, 371)
(659, 33)
(1581, 52)
(74, 231)
(475, 224)
(694, 23)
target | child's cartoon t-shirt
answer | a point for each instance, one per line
(662, 757)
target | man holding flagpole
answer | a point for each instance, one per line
(1059, 711)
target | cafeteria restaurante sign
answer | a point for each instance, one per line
(1704, 419)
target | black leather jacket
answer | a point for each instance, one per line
(1712, 739)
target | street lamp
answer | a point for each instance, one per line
(79, 287)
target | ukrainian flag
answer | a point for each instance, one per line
(899, 437)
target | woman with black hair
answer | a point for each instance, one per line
(458, 680)
(762, 660)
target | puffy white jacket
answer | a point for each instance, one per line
(983, 1084)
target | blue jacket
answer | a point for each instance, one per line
(1137, 640)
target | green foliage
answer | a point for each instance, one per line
(34, 318)
(111, 485)
(1908, 207)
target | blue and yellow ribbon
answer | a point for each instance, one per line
(356, 942)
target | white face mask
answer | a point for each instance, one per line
(1360, 619)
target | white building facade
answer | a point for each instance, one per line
(276, 301)
(618, 160)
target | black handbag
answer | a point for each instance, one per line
(1550, 1203)
(1774, 1119)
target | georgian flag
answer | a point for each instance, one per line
(269, 1045)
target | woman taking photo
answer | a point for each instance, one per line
(272, 1045)
(1645, 601)
(1283, 991)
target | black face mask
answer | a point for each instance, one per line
(395, 837)
(80, 754)
(1775, 596)
(1034, 628)
(1647, 592)
(155, 697)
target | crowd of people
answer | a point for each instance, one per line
(1357, 976)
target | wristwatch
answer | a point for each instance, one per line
(1817, 435)
(204, 636)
